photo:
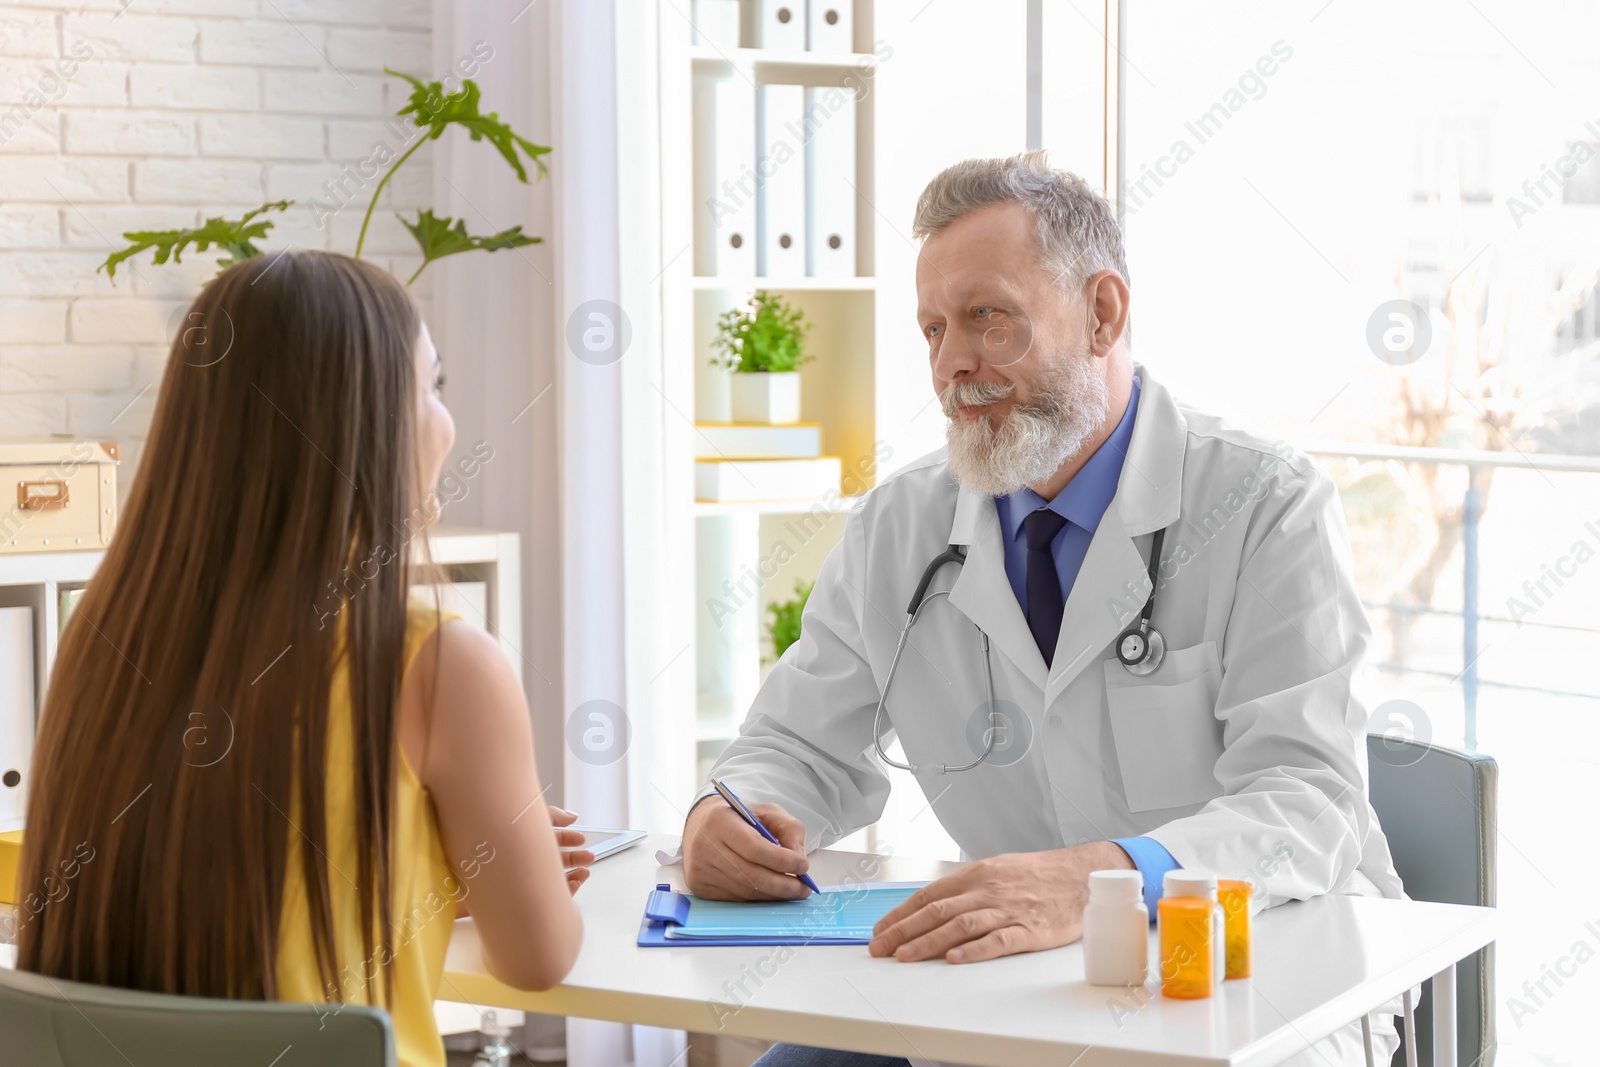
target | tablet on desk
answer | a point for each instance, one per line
(603, 842)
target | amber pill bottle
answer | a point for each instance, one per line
(1234, 897)
(1186, 947)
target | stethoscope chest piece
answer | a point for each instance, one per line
(1141, 648)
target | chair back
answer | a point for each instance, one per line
(1437, 808)
(55, 1023)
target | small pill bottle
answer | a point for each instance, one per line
(1234, 895)
(1202, 884)
(1116, 929)
(1187, 972)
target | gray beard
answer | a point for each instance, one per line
(1070, 404)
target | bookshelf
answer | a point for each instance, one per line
(692, 666)
(749, 556)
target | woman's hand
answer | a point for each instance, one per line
(573, 856)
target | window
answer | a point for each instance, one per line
(1374, 229)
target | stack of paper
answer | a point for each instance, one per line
(751, 440)
(747, 480)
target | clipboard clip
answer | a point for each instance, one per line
(666, 906)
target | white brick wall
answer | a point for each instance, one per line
(158, 114)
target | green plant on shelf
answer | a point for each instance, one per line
(784, 629)
(432, 111)
(767, 335)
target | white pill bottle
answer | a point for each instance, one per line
(1116, 929)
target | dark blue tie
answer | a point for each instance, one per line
(1045, 604)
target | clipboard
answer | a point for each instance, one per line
(837, 916)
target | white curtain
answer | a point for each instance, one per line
(504, 323)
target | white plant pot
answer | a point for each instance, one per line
(765, 396)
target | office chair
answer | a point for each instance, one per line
(69, 1024)
(1437, 808)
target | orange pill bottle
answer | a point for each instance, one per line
(1187, 948)
(1235, 899)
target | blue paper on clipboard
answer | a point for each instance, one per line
(840, 915)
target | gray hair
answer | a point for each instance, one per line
(1075, 228)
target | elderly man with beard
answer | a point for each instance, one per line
(1075, 503)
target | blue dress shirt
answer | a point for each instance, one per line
(1082, 503)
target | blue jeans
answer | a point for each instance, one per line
(804, 1056)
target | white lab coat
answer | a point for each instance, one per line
(1244, 753)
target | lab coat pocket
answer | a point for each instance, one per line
(1166, 730)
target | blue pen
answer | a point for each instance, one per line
(744, 813)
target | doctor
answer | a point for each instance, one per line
(1218, 730)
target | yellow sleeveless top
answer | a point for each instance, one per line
(425, 890)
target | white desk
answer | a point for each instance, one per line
(1318, 966)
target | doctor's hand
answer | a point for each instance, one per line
(725, 859)
(1022, 902)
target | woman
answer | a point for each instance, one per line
(262, 772)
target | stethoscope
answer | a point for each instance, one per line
(1140, 648)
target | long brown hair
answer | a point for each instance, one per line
(281, 454)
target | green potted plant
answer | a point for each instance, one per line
(432, 111)
(763, 343)
(784, 629)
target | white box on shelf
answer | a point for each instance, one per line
(16, 713)
(830, 123)
(749, 480)
(828, 26)
(781, 203)
(765, 396)
(780, 24)
(739, 440)
(716, 24)
(725, 178)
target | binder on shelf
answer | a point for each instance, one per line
(743, 481)
(725, 178)
(828, 26)
(16, 713)
(745, 440)
(781, 203)
(716, 24)
(780, 24)
(830, 123)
